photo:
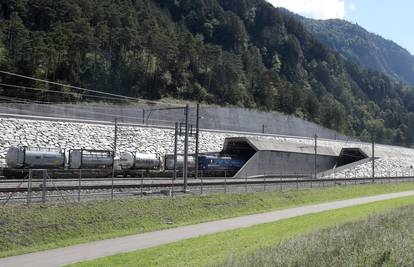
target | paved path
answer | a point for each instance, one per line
(89, 251)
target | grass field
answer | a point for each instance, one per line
(214, 249)
(39, 227)
(382, 240)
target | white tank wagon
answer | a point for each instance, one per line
(35, 158)
(139, 161)
(169, 162)
(90, 159)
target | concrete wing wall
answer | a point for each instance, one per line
(284, 163)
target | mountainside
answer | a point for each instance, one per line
(240, 52)
(365, 48)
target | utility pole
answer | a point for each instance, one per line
(175, 149)
(114, 156)
(315, 156)
(177, 133)
(185, 166)
(197, 139)
(115, 136)
(373, 158)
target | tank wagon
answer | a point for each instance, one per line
(61, 163)
(90, 159)
(135, 163)
(169, 162)
(25, 157)
(139, 161)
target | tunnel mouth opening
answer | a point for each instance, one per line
(350, 155)
(240, 149)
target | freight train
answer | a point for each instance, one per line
(103, 163)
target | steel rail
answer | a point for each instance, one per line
(205, 182)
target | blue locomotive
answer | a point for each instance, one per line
(217, 165)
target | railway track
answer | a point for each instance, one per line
(219, 182)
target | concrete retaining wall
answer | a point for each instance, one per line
(230, 119)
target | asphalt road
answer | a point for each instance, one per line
(93, 250)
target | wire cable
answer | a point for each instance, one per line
(65, 85)
(113, 116)
(87, 90)
(74, 94)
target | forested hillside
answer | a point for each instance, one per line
(365, 48)
(240, 52)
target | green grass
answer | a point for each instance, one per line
(39, 227)
(382, 240)
(216, 248)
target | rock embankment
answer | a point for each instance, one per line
(55, 134)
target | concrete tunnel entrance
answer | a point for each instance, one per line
(239, 148)
(267, 157)
(276, 158)
(348, 158)
(350, 155)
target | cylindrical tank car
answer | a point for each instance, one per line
(90, 159)
(25, 157)
(169, 162)
(139, 161)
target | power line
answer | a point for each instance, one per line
(16, 99)
(61, 116)
(87, 90)
(65, 85)
(42, 114)
(74, 94)
(20, 100)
